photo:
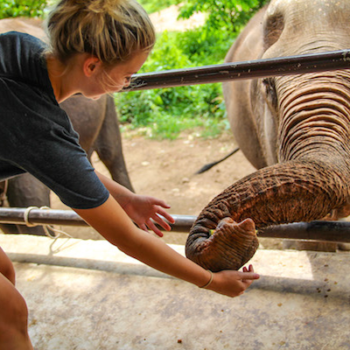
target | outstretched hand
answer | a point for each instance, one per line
(233, 283)
(143, 209)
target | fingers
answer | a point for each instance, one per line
(160, 221)
(166, 215)
(149, 225)
(160, 202)
(154, 228)
(143, 227)
(250, 269)
(249, 274)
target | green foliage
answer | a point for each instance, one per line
(22, 8)
(152, 6)
(204, 48)
(166, 112)
(169, 111)
(229, 15)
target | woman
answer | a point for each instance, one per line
(95, 48)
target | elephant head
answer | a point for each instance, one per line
(294, 129)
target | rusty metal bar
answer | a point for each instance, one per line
(291, 65)
(331, 231)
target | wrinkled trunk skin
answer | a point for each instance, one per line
(299, 133)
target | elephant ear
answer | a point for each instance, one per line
(230, 246)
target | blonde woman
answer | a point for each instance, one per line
(95, 48)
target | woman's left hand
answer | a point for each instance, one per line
(142, 209)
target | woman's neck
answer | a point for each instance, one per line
(63, 78)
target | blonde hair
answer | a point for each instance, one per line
(111, 30)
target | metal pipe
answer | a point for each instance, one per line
(290, 65)
(40, 217)
(328, 231)
(331, 231)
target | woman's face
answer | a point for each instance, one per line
(114, 79)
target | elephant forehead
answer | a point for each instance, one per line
(293, 27)
(318, 6)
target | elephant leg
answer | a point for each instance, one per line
(9, 229)
(109, 147)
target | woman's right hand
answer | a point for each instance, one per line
(233, 283)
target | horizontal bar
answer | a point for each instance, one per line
(41, 217)
(38, 216)
(279, 66)
(328, 231)
(332, 231)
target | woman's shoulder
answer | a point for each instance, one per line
(21, 58)
(14, 41)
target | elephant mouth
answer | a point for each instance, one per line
(229, 247)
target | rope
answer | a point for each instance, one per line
(45, 227)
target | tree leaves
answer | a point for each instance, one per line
(22, 8)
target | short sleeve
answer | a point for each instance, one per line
(37, 137)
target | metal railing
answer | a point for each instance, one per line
(331, 231)
(291, 65)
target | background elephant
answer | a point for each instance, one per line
(95, 121)
(294, 129)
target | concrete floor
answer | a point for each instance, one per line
(87, 295)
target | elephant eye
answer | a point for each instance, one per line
(270, 92)
(268, 83)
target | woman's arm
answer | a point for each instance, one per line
(113, 223)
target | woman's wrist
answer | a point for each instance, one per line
(209, 281)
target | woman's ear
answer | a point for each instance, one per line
(91, 65)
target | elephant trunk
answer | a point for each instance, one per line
(307, 185)
(283, 193)
(315, 117)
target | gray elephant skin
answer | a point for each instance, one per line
(294, 129)
(97, 124)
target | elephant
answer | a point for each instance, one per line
(294, 129)
(95, 121)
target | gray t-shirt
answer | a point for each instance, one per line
(36, 135)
